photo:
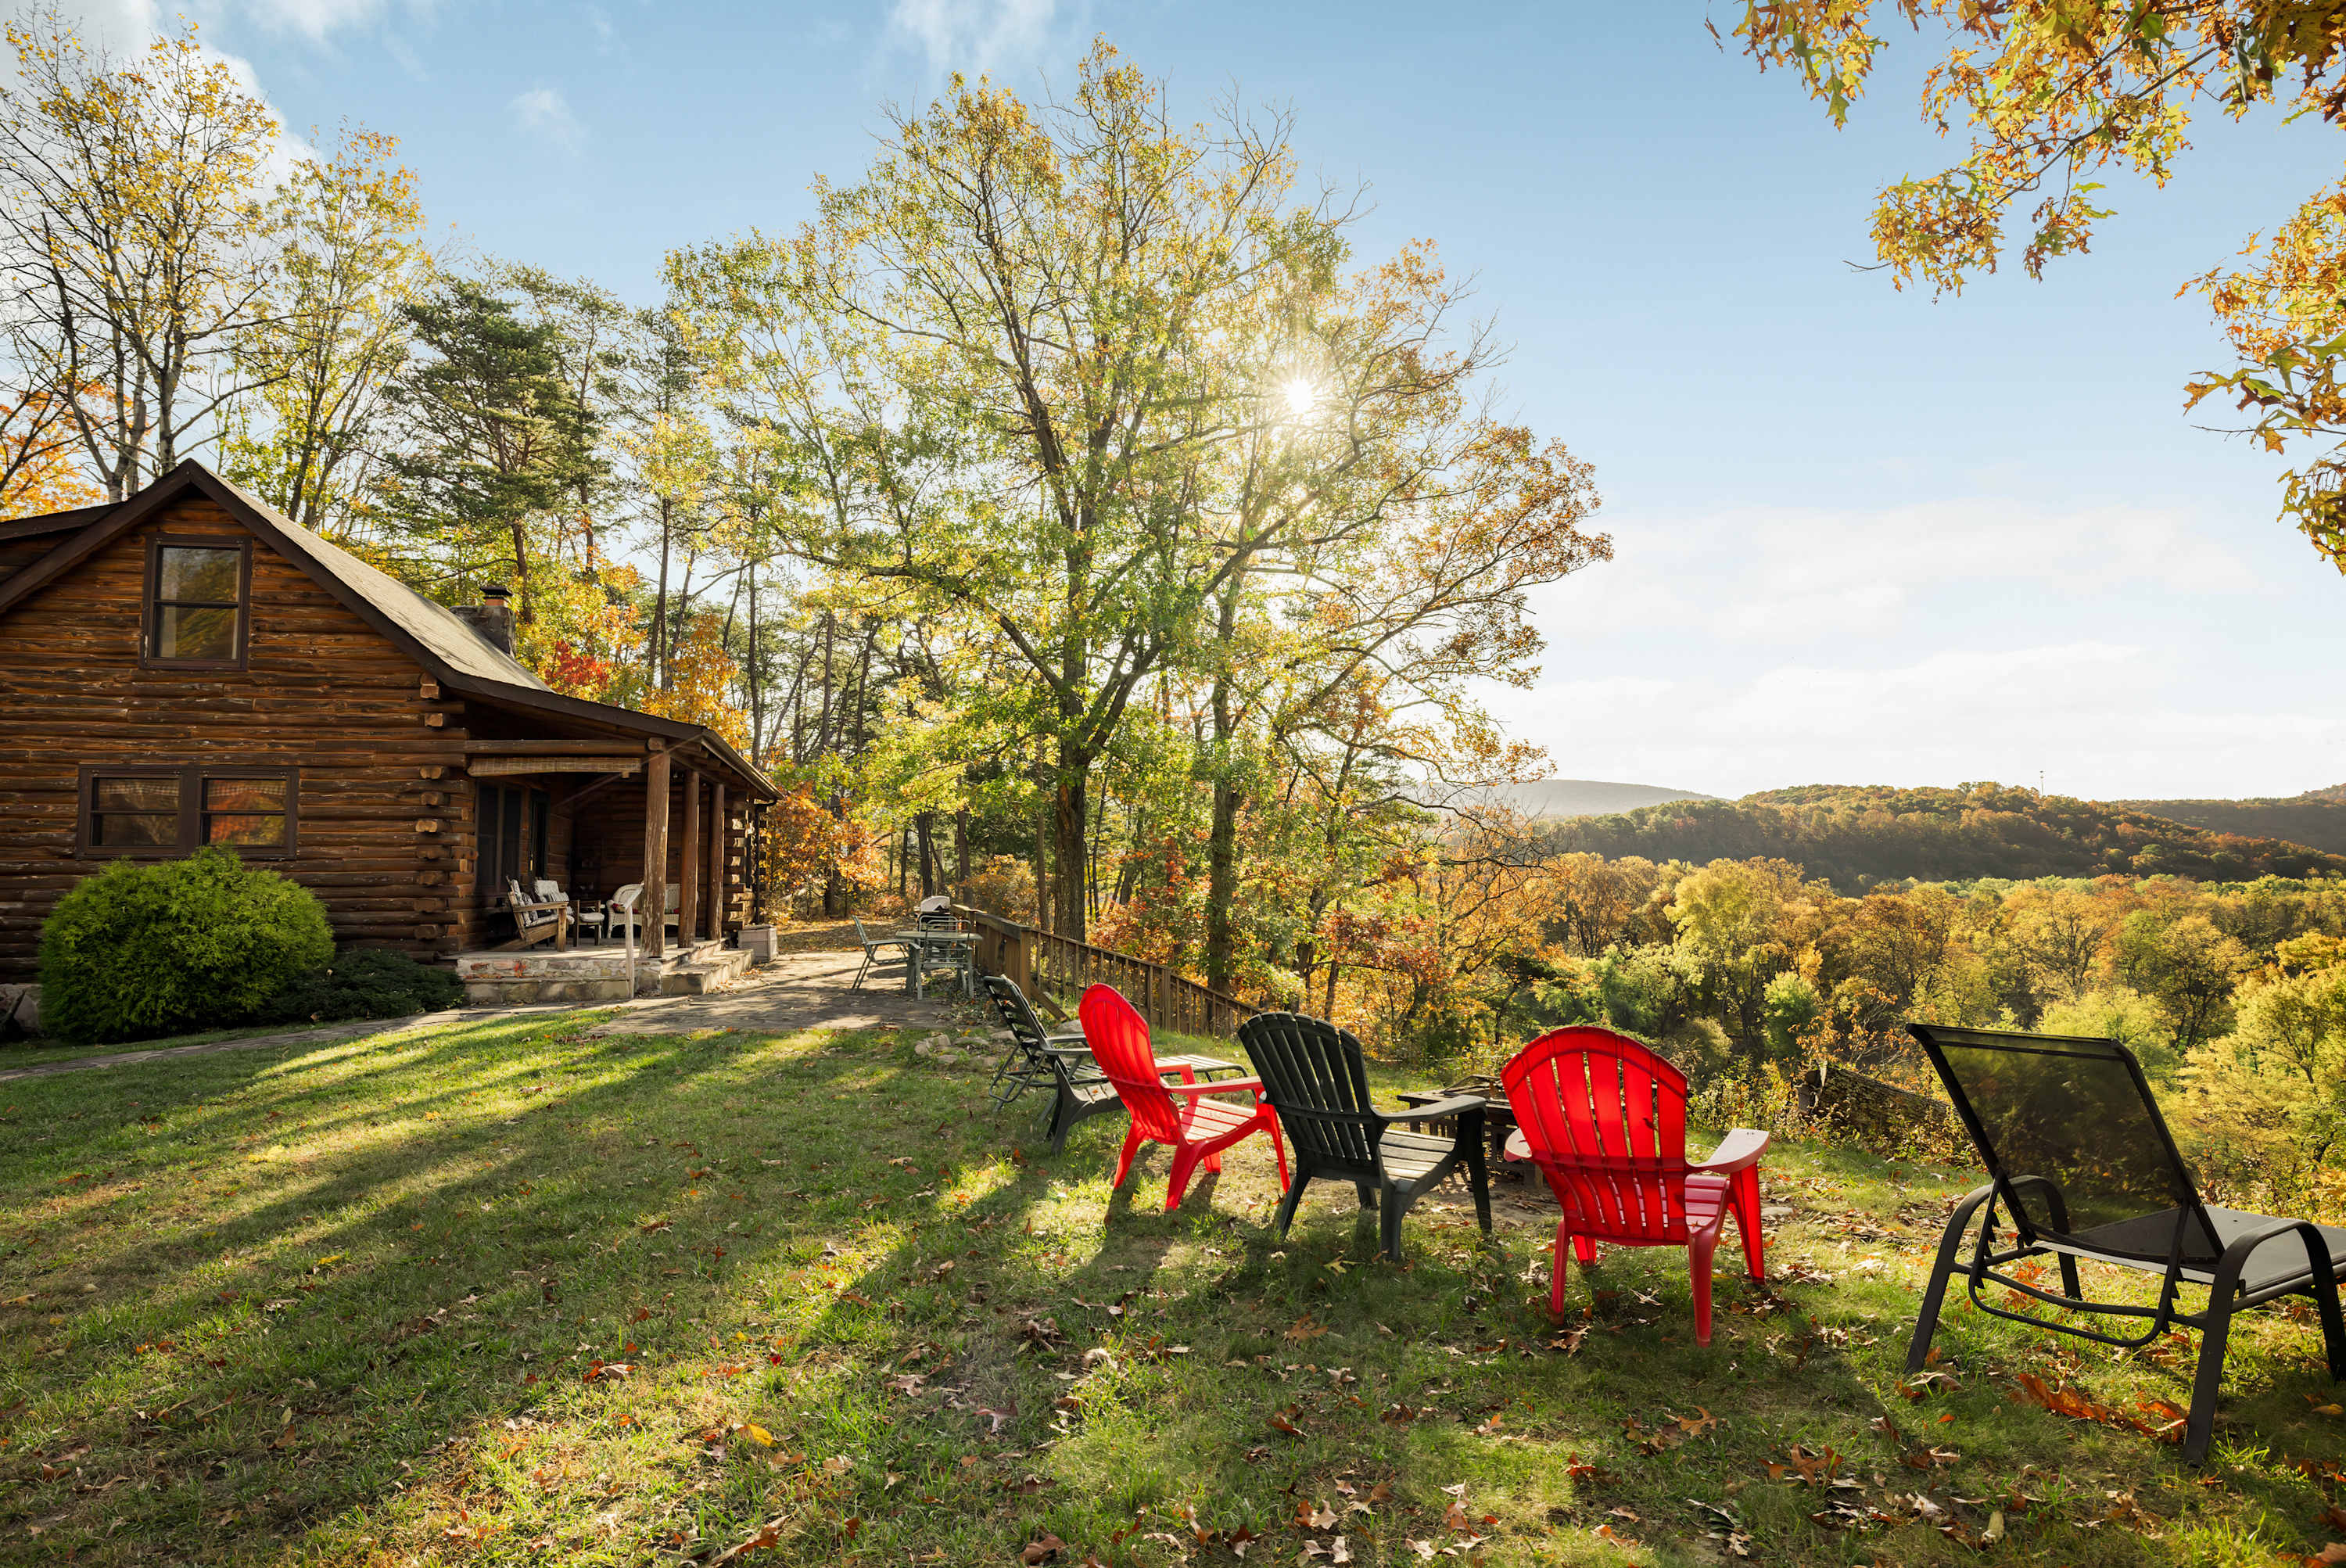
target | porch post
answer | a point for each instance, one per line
(687, 909)
(655, 897)
(720, 858)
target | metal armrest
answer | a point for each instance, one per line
(1740, 1150)
(1063, 1036)
(1066, 1053)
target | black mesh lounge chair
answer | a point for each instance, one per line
(2080, 1165)
(1314, 1076)
(1079, 1090)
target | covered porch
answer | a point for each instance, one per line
(574, 823)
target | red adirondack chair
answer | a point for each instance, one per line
(1605, 1119)
(1198, 1129)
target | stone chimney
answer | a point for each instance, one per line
(492, 618)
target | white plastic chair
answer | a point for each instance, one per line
(623, 914)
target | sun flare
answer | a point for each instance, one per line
(1301, 396)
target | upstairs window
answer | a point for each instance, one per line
(198, 596)
(164, 813)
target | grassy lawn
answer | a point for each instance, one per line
(513, 1292)
(41, 1050)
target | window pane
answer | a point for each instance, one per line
(199, 576)
(244, 794)
(136, 794)
(244, 829)
(123, 830)
(194, 633)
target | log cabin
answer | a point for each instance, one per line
(188, 667)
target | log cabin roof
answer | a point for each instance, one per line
(427, 631)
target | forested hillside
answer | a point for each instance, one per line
(1858, 835)
(2317, 818)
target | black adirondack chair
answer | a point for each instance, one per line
(1314, 1076)
(2081, 1166)
(1041, 1060)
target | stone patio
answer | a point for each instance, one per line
(796, 991)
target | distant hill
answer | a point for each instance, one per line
(1546, 800)
(1856, 836)
(2317, 818)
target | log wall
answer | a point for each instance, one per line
(386, 848)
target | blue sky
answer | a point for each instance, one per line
(1863, 536)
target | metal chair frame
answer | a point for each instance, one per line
(2240, 1234)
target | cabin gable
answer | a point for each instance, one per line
(311, 694)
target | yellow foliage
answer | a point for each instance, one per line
(702, 675)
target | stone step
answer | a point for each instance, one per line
(713, 969)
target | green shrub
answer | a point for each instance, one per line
(146, 949)
(368, 983)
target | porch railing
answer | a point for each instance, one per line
(1047, 965)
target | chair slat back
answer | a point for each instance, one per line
(1316, 1078)
(1606, 1120)
(1118, 1040)
(1018, 1015)
(524, 917)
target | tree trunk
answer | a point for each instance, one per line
(656, 650)
(1222, 843)
(961, 847)
(1042, 868)
(750, 667)
(1221, 882)
(923, 833)
(1070, 853)
(522, 596)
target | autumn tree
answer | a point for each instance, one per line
(309, 435)
(138, 227)
(2053, 95)
(39, 448)
(1042, 287)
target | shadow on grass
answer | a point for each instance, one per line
(369, 1302)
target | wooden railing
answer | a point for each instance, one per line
(1057, 969)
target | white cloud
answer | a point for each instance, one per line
(118, 26)
(2097, 718)
(544, 112)
(315, 20)
(124, 24)
(974, 35)
(1784, 575)
(600, 26)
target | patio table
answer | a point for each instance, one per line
(1498, 1116)
(920, 945)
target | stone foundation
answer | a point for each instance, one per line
(584, 975)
